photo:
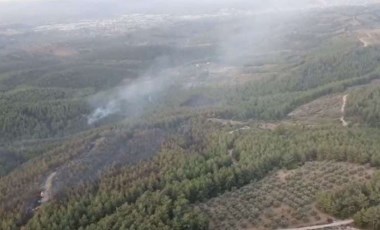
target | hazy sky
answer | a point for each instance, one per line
(18, 1)
(52, 11)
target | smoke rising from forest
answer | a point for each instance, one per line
(131, 98)
(260, 32)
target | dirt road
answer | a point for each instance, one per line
(226, 122)
(237, 130)
(343, 110)
(47, 188)
(231, 154)
(335, 224)
(364, 42)
(366, 39)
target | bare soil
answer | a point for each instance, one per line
(47, 192)
(268, 126)
(226, 122)
(324, 109)
(283, 175)
(324, 226)
(343, 110)
(369, 37)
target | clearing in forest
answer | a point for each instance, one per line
(327, 109)
(369, 37)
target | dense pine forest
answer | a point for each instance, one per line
(145, 130)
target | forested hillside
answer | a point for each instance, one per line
(364, 105)
(192, 122)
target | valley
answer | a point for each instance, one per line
(232, 119)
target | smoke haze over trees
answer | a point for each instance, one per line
(166, 114)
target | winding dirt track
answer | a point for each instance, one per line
(343, 110)
(335, 224)
(364, 42)
(48, 188)
(366, 39)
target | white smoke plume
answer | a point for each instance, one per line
(103, 112)
(251, 37)
(132, 97)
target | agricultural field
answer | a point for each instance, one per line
(284, 199)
